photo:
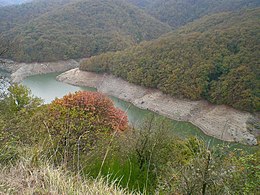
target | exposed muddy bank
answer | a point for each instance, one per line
(19, 71)
(222, 122)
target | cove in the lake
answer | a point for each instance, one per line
(48, 88)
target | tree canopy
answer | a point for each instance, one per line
(215, 58)
(179, 12)
(83, 28)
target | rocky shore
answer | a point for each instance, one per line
(218, 121)
(19, 71)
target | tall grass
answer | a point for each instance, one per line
(24, 178)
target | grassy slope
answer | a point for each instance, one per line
(215, 58)
(24, 177)
(81, 29)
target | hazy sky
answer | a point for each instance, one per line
(10, 2)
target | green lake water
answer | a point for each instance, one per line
(4, 73)
(48, 88)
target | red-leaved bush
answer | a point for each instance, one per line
(79, 123)
(97, 105)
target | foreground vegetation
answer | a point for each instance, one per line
(24, 177)
(215, 58)
(81, 144)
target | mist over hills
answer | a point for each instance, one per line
(12, 2)
(214, 58)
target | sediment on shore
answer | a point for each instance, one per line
(19, 71)
(218, 121)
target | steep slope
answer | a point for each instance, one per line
(179, 12)
(215, 58)
(12, 16)
(82, 29)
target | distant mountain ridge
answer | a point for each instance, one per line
(12, 16)
(50, 30)
(179, 12)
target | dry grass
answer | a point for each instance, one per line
(24, 178)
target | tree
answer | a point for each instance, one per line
(77, 122)
(17, 98)
(210, 171)
(18, 117)
(5, 46)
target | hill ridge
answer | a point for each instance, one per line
(217, 64)
(81, 29)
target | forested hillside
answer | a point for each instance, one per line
(79, 29)
(50, 30)
(215, 58)
(13, 16)
(83, 144)
(179, 12)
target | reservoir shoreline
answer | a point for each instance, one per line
(19, 71)
(219, 121)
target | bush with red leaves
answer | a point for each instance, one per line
(78, 121)
(96, 104)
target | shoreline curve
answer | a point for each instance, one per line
(218, 121)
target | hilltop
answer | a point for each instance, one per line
(17, 15)
(215, 58)
(79, 29)
(179, 12)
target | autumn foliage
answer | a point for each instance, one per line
(80, 123)
(214, 58)
(96, 105)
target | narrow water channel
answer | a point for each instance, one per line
(48, 88)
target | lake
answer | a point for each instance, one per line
(48, 88)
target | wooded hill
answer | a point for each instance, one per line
(215, 58)
(50, 30)
(78, 29)
(179, 12)
(17, 15)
